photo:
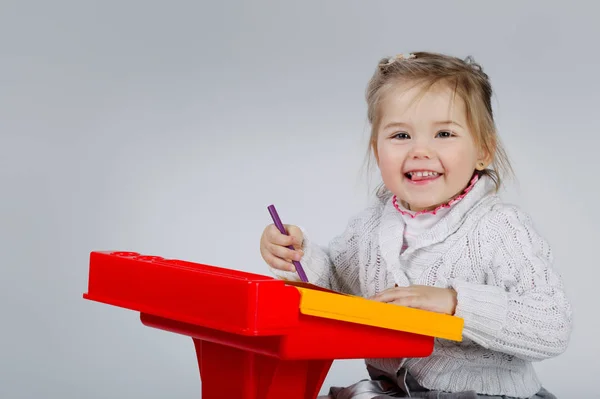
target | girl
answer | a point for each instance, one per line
(439, 238)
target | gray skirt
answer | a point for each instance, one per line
(383, 386)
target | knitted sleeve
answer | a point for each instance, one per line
(522, 310)
(335, 266)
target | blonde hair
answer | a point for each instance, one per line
(469, 82)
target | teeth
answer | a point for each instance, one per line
(422, 174)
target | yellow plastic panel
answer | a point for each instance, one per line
(360, 310)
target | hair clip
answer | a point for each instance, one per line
(397, 57)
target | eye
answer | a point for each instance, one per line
(400, 136)
(444, 134)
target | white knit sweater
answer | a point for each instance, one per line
(511, 299)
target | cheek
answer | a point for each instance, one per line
(459, 158)
(389, 161)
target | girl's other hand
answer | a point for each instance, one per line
(440, 300)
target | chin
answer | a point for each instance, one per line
(420, 198)
(424, 203)
(424, 207)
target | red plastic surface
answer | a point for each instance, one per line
(249, 334)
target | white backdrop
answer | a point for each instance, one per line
(168, 127)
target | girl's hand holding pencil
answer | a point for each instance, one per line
(280, 250)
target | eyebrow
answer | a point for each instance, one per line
(402, 124)
(448, 123)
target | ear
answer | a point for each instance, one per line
(483, 162)
(484, 159)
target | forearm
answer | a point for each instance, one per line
(535, 325)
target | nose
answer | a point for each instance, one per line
(420, 150)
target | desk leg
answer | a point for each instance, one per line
(228, 372)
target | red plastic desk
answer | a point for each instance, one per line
(251, 340)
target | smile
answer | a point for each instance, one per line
(422, 175)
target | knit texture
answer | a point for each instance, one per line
(512, 301)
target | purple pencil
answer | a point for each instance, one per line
(279, 226)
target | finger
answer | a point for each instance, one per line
(414, 301)
(274, 236)
(280, 264)
(296, 234)
(284, 253)
(392, 294)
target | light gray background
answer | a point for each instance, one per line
(168, 127)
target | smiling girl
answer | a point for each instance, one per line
(438, 237)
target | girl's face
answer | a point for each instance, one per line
(426, 153)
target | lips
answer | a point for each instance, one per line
(420, 175)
